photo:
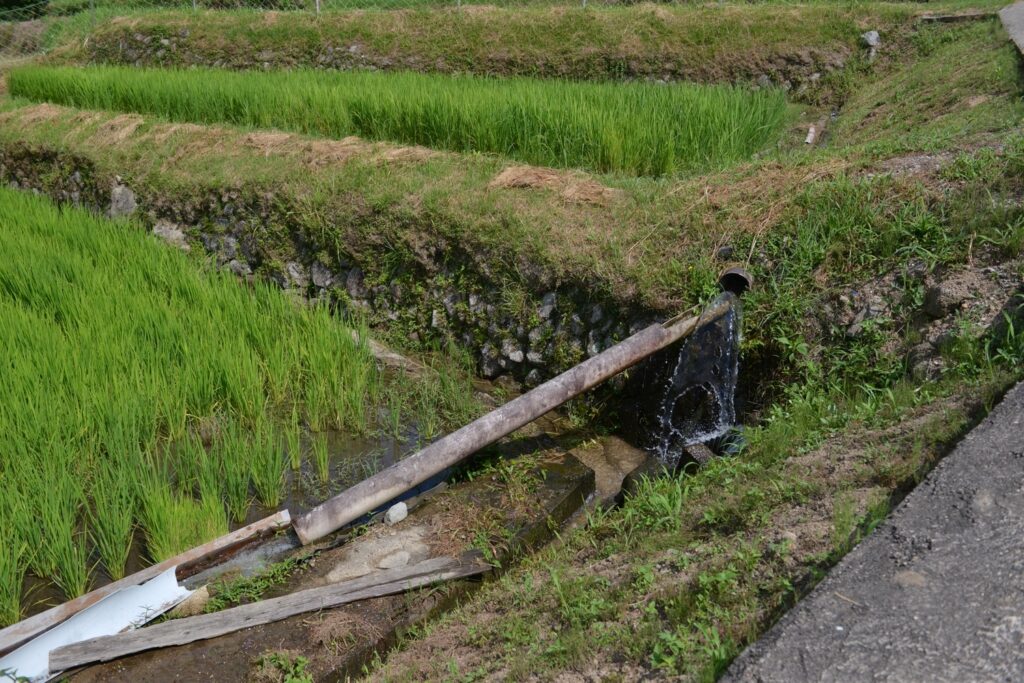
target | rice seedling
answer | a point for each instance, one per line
(321, 457)
(65, 551)
(293, 440)
(269, 462)
(13, 565)
(174, 522)
(631, 128)
(233, 470)
(112, 519)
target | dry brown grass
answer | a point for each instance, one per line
(572, 187)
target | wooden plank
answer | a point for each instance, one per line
(16, 634)
(202, 627)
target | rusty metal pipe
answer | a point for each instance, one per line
(370, 494)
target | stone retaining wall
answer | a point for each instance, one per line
(428, 294)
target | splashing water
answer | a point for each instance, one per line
(698, 404)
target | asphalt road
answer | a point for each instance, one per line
(935, 594)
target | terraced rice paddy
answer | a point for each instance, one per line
(635, 129)
(147, 396)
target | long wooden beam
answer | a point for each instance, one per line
(18, 633)
(387, 485)
(205, 626)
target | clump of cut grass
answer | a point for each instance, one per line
(634, 128)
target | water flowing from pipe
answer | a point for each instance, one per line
(699, 400)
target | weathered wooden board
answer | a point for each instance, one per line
(182, 631)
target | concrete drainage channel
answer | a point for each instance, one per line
(388, 575)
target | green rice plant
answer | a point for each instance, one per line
(13, 565)
(321, 457)
(62, 553)
(174, 522)
(269, 463)
(112, 518)
(141, 392)
(233, 469)
(12, 573)
(293, 440)
(633, 128)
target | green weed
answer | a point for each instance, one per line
(289, 670)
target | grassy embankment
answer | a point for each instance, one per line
(699, 43)
(690, 570)
(144, 393)
(633, 129)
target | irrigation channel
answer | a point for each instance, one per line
(696, 405)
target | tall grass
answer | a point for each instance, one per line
(637, 129)
(141, 392)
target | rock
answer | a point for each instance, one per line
(489, 365)
(297, 275)
(535, 357)
(764, 81)
(450, 302)
(871, 39)
(172, 234)
(122, 201)
(437, 319)
(596, 314)
(395, 514)
(354, 284)
(925, 362)
(538, 334)
(229, 248)
(947, 296)
(724, 253)
(321, 275)
(239, 268)
(574, 325)
(511, 350)
(533, 378)
(548, 305)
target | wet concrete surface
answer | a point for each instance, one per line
(935, 593)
